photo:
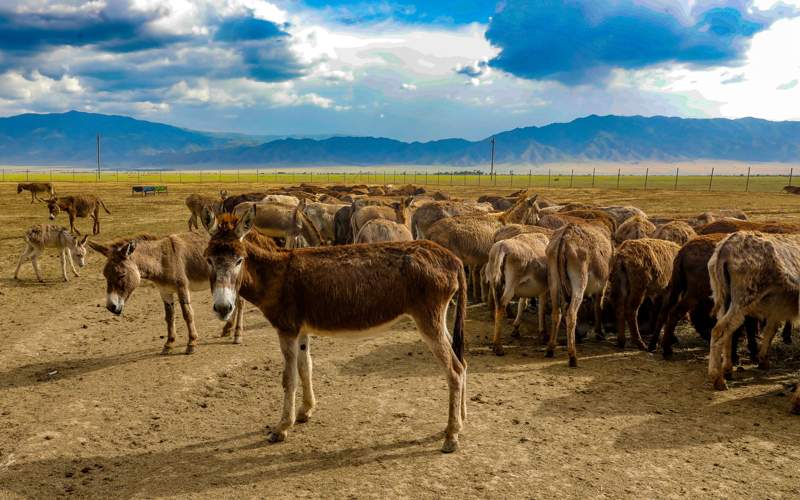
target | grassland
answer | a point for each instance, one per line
(559, 177)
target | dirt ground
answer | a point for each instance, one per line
(88, 407)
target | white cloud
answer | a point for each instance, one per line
(408, 86)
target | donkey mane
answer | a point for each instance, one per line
(120, 242)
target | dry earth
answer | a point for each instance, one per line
(88, 408)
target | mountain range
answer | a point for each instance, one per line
(69, 139)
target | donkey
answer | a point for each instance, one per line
(78, 206)
(377, 230)
(175, 263)
(281, 221)
(752, 274)
(44, 236)
(322, 291)
(578, 265)
(197, 202)
(36, 188)
(517, 267)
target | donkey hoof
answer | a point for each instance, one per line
(225, 333)
(498, 350)
(728, 375)
(166, 350)
(237, 340)
(720, 385)
(450, 445)
(276, 437)
(515, 332)
(549, 353)
(189, 349)
(303, 416)
(763, 364)
(620, 344)
(641, 345)
(573, 362)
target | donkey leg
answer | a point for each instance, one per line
(499, 309)
(571, 320)
(305, 367)
(239, 328)
(434, 331)
(169, 316)
(63, 259)
(188, 316)
(766, 343)
(522, 304)
(35, 264)
(541, 304)
(25, 255)
(786, 335)
(555, 323)
(71, 263)
(476, 285)
(673, 316)
(598, 315)
(72, 227)
(635, 300)
(289, 348)
(721, 335)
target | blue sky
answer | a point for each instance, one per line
(411, 70)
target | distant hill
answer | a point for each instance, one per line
(69, 138)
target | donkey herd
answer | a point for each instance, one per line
(349, 261)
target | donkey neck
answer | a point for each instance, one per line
(147, 258)
(263, 278)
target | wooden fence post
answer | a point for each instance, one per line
(593, 172)
(646, 174)
(619, 172)
(791, 171)
(530, 174)
(677, 172)
(711, 180)
(571, 177)
(548, 177)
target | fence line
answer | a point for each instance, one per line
(745, 180)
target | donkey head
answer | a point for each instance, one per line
(226, 256)
(78, 250)
(121, 272)
(19, 188)
(53, 208)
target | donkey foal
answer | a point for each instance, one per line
(44, 236)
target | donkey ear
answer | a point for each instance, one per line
(209, 220)
(102, 249)
(128, 249)
(532, 200)
(223, 193)
(245, 223)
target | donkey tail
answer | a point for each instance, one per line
(461, 315)
(720, 284)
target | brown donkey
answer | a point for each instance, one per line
(36, 188)
(341, 292)
(78, 206)
(174, 263)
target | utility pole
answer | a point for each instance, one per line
(491, 171)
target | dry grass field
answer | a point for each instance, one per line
(89, 409)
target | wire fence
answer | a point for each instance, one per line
(630, 177)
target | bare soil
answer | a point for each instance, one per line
(89, 409)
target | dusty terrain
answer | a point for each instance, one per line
(88, 407)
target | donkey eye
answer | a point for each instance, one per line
(210, 262)
(239, 261)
